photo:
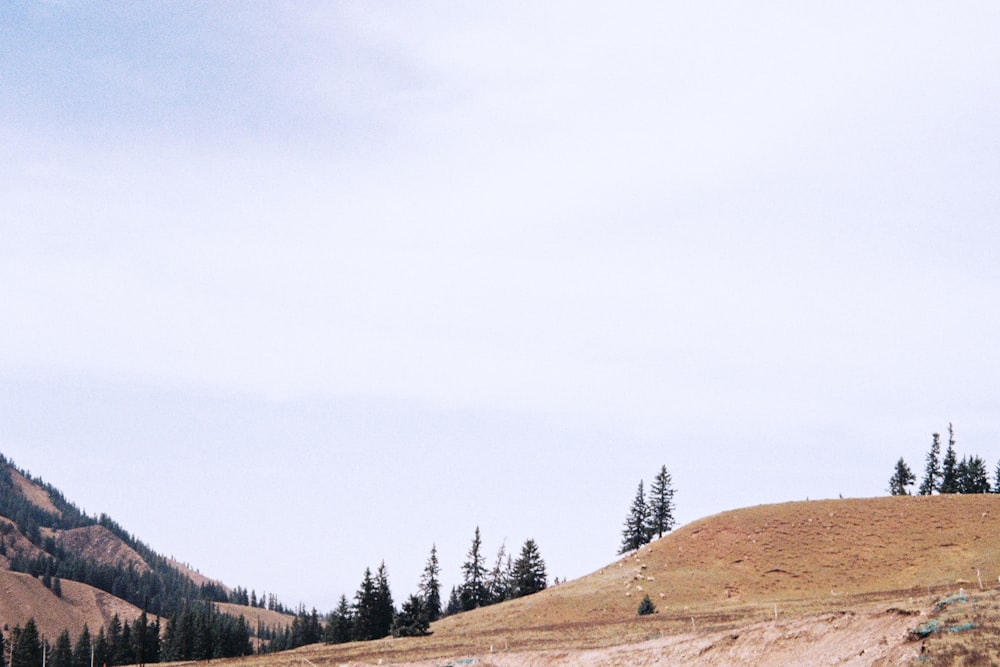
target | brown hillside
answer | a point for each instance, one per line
(14, 542)
(254, 615)
(833, 567)
(38, 496)
(99, 545)
(23, 597)
(197, 577)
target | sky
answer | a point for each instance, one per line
(291, 289)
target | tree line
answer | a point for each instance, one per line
(372, 613)
(945, 475)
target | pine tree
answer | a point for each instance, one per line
(972, 476)
(25, 646)
(62, 655)
(339, 625)
(932, 471)
(384, 610)
(498, 581)
(529, 571)
(430, 586)
(646, 607)
(901, 478)
(636, 532)
(661, 504)
(949, 466)
(454, 605)
(473, 593)
(364, 609)
(412, 619)
(81, 653)
(996, 484)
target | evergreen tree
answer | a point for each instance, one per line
(454, 602)
(972, 476)
(529, 571)
(57, 587)
(3, 648)
(473, 593)
(430, 586)
(498, 581)
(996, 484)
(102, 656)
(364, 609)
(901, 478)
(384, 608)
(25, 646)
(62, 654)
(636, 532)
(646, 607)
(932, 471)
(81, 653)
(340, 624)
(412, 620)
(661, 504)
(949, 466)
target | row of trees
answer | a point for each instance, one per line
(372, 614)
(649, 517)
(122, 644)
(945, 475)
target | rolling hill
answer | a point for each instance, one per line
(831, 582)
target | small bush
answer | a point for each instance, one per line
(646, 607)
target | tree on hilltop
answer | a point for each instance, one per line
(529, 571)
(661, 504)
(949, 466)
(901, 479)
(636, 530)
(932, 471)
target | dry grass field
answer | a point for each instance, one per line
(810, 583)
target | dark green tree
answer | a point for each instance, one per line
(661, 504)
(364, 609)
(636, 532)
(385, 610)
(473, 593)
(81, 652)
(901, 478)
(412, 619)
(949, 466)
(972, 475)
(932, 470)
(25, 646)
(430, 586)
(996, 478)
(62, 654)
(529, 570)
(454, 605)
(646, 607)
(340, 623)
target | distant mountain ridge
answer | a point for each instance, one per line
(65, 569)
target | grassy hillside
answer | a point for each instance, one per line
(741, 569)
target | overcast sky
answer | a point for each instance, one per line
(288, 289)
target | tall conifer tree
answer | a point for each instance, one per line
(473, 593)
(932, 471)
(949, 466)
(636, 530)
(529, 570)
(430, 586)
(661, 504)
